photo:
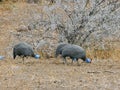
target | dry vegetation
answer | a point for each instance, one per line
(50, 74)
(53, 75)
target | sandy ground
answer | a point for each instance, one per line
(52, 74)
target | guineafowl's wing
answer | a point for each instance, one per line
(31, 52)
(77, 51)
(67, 51)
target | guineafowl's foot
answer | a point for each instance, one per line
(78, 63)
(72, 62)
(65, 63)
(23, 63)
(23, 60)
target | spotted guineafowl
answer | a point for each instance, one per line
(75, 52)
(23, 49)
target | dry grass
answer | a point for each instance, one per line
(51, 74)
(5, 7)
(104, 54)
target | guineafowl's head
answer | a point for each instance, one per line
(88, 60)
(37, 56)
(2, 57)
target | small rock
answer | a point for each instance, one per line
(22, 28)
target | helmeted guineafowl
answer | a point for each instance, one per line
(23, 49)
(75, 52)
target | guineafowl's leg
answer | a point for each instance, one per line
(65, 62)
(23, 60)
(72, 61)
(77, 62)
(14, 56)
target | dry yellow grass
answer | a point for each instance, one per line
(5, 7)
(104, 54)
(51, 74)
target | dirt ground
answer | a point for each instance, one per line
(52, 74)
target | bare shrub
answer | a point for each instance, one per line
(88, 23)
(86, 26)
